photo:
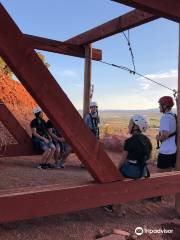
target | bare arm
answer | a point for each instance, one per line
(60, 139)
(163, 136)
(34, 133)
(123, 158)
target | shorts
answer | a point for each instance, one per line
(166, 160)
(129, 170)
(45, 146)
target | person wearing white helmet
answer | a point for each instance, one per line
(137, 150)
(92, 119)
(41, 139)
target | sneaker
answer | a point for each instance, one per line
(57, 165)
(61, 164)
(108, 208)
(50, 166)
(42, 166)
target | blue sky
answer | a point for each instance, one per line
(155, 48)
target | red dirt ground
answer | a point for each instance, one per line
(82, 225)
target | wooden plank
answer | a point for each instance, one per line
(13, 126)
(32, 202)
(167, 8)
(39, 82)
(87, 79)
(60, 47)
(122, 23)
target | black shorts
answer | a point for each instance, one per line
(166, 160)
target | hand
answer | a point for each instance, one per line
(46, 140)
(61, 139)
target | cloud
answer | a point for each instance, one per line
(68, 73)
(144, 96)
(80, 85)
(168, 79)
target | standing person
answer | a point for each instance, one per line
(41, 139)
(92, 119)
(62, 148)
(137, 151)
(167, 135)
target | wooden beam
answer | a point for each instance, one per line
(16, 150)
(13, 126)
(32, 202)
(39, 82)
(167, 8)
(122, 23)
(177, 198)
(87, 79)
(60, 47)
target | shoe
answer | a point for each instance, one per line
(57, 165)
(61, 164)
(50, 166)
(42, 166)
(155, 199)
(108, 208)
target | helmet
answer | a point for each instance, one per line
(93, 104)
(141, 122)
(37, 110)
(166, 100)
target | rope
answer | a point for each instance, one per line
(130, 48)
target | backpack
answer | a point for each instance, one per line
(147, 148)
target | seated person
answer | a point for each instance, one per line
(41, 139)
(137, 151)
(62, 148)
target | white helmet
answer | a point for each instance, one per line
(37, 110)
(141, 122)
(93, 104)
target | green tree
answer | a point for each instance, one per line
(7, 71)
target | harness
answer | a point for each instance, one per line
(94, 123)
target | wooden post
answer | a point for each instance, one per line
(87, 78)
(177, 202)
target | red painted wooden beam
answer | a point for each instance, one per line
(167, 8)
(32, 202)
(39, 82)
(60, 47)
(13, 126)
(127, 21)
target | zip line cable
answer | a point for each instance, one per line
(138, 74)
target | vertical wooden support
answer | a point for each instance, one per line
(87, 78)
(177, 202)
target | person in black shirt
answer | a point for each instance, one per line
(41, 138)
(137, 151)
(62, 148)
